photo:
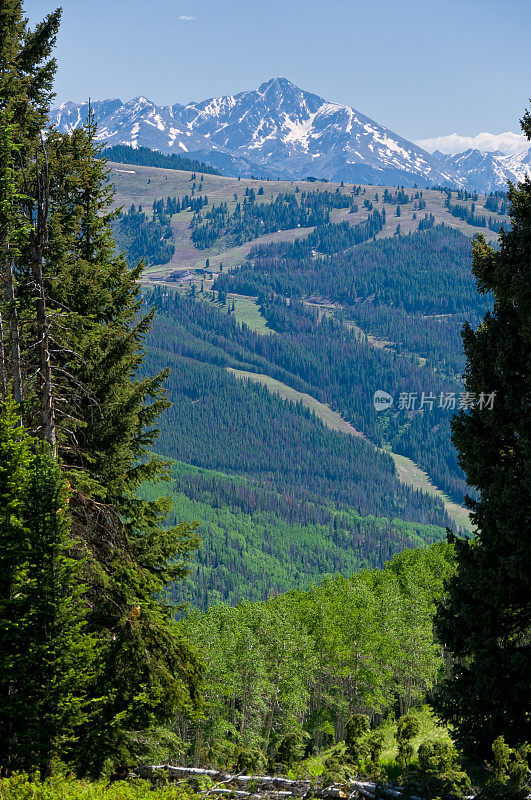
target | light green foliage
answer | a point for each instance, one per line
(302, 662)
(20, 787)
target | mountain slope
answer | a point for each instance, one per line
(487, 172)
(280, 130)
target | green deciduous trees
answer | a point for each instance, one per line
(486, 620)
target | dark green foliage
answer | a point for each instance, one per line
(290, 750)
(257, 541)
(375, 743)
(46, 658)
(378, 285)
(356, 749)
(486, 619)
(141, 238)
(408, 727)
(88, 638)
(323, 355)
(510, 777)
(327, 360)
(427, 272)
(251, 219)
(144, 671)
(467, 214)
(144, 157)
(439, 772)
(220, 422)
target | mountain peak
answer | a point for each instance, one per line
(281, 130)
(281, 83)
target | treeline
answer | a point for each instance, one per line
(297, 667)
(427, 272)
(142, 238)
(251, 219)
(437, 338)
(469, 216)
(497, 202)
(257, 542)
(174, 205)
(414, 291)
(144, 157)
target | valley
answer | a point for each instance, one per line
(264, 383)
(301, 320)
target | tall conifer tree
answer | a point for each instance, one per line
(75, 313)
(486, 619)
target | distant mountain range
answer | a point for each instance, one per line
(281, 131)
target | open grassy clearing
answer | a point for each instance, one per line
(136, 184)
(408, 472)
(411, 474)
(246, 312)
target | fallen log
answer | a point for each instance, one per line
(258, 787)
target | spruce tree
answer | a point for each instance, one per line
(485, 622)
(45, 653)
(89, 305)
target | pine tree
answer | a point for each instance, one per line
(45, 654)
(57, 245)
(486, 619)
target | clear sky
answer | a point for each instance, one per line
(424, 68)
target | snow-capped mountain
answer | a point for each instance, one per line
(487, 172)
(281, 130)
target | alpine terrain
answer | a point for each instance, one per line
(282, 131)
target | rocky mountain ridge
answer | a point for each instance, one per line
(282, 131)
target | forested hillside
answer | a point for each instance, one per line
(288, 672)
(336, 312)
(366, 289)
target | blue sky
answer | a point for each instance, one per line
(423, 69)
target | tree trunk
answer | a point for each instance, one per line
(46, 381)
(3, 374)
(38, 241)
(14, 333)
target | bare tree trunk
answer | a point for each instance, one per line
(45, 366)
(38, 241)
(14, 333)
(3, 373)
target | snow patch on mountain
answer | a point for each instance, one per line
(280, 130)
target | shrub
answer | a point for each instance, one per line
(439, 771)
(510, 778)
